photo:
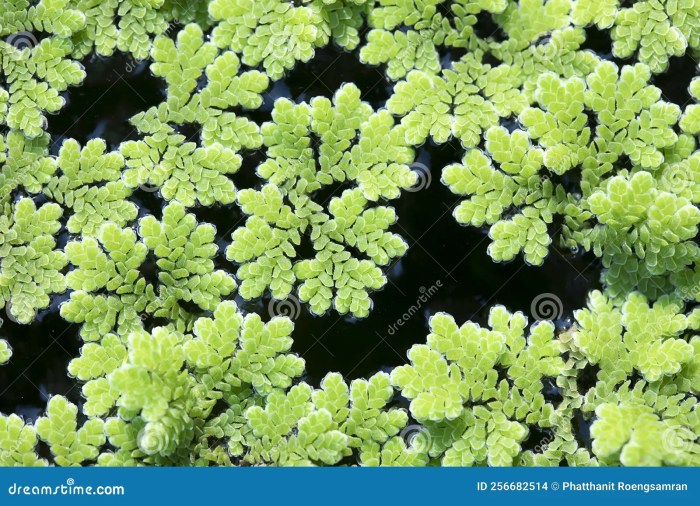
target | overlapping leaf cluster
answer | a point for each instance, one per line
(652, 30)
(311, 148)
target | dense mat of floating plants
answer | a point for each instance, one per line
(170, 259)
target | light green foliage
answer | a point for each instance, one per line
(290, 431)
(30, 266)
(24, 164)
(462, 102)
(652, 30)
(406, 34)
(561, 148)
(631, 118)
(355, 146)
(169, 382)
(70, 445)
(642, 225)
(527, 20)
(90, 185)
(5, 352)
(650, 424)
(635, 335)
(277, 34)
(334, 274)
(130, 25)
(319, 427)
(638, 437)
(642, 231)
(52, 16)
(560, 125)
(36, 75)
(540, 39)
(520, 185)
(655, 420)
(471, 417)
(690, 121)
(109, 292)
(230, 350)
(182, 65)
(184, 252)
(152, 385)
(96, 361)
(361, 413)
(17, 443)
(183, 172)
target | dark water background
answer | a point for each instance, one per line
(442, 254)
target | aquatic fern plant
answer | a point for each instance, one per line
(30, 265)
(471, 416)
(653, 30)
(553, 149)
(311, 147)
(407, 35)
(109, 290)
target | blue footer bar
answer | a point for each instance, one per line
(358, 486)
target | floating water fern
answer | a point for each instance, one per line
(30, 265)
(406, 35)
(462, 102)
(653, 30)
(454, 387)
(110, 294)
(636, 336)
(556, 148)
(36, 75)
(25, 164)
(277, 34)
(182, 64)
(355, 146)
(90, 185)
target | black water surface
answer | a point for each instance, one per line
(675, 82)
(114, 90)
(39, 364)
(329, 69)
